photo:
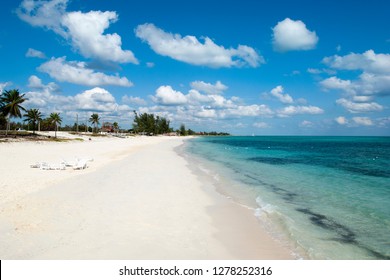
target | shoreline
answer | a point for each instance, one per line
(137, 200)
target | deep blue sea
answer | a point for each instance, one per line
(323, 197)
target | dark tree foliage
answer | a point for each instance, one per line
(150, 124)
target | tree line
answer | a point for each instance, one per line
(149, 124)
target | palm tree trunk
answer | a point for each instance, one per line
(7, 128)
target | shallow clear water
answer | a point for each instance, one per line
(328, 197)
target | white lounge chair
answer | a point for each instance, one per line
(69, 163)
(46, 166)
(81, 164)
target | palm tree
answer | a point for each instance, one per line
(10, 101)
(55, 119)
(116, 127)
(33, 116)
(94, 119)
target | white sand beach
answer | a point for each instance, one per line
(138, 199)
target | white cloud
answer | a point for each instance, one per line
(289, 35)
(97, 100)
(83, 30)
(188, 49)
(77, 73)
(336, 83)
(133, 100)
(247, 111)
(368, 61)
(36, 83)
(261, 125)
(373, 81)
(341, 120)
(375, 77)
(206, 113)
(298, 110)
(314, 71)
(47, 99)
(46, 14)
(373, 84)
(217, 88)
(166, 95)
(361, 98)
(359, 107)
(363, 121)
(35, 53)
(195, 105)
(4, 85)
(278, 93)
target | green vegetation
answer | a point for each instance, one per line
(10, 105)
(94, 119)
(33, 116)
(150, 124)
(56, 120)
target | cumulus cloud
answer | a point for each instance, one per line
(78, 73)
(368, 61)
(290, 35)
(36, 83)
(97, 100)
(359, 107)
(372, 82)
(195, 105)
(217, 88)
(299, 110)
(247, 111)
(48, 99)
(46, 14)
(336, 83)
(190, 50)
(278, 93)
(133, 100)
(166, 95)
(84, 31)
(45, 97)
(363, 121)
(341, 120)
(4, 85)
(35, 53)
(355, 121)
(375, 77)
(206, 113)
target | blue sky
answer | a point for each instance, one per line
(245, 67)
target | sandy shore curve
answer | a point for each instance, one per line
(137, 200)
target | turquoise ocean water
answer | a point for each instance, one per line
(323, 197)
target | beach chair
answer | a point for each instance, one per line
(81, 164)
(46, 166)
(68, 163)
(36, 165)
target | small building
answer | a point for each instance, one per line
(108, 127)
